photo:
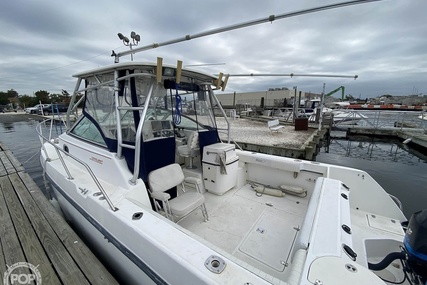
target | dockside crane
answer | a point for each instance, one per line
(336, 90)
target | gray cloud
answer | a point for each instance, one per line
(45, 42)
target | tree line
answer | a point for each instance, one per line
(13, 100)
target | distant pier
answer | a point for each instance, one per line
(35, 241)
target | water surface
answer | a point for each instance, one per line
(400, 170)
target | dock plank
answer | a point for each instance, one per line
(3, 171)
(31, 230)
(93, 269)
(2, 262)
(14, 161)
(41, 236)
(6, 163)
(32, 248)
(11, 246)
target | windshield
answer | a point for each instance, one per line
(164, 108)
(171, 108)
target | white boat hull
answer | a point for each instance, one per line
(152, 252)
(347, 117)
(118, 264)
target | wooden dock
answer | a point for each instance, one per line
(33, 232)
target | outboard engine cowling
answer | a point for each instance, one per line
(415, 243)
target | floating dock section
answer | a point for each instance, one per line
(414, 137)
(35, 241)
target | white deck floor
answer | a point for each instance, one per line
(246, 226)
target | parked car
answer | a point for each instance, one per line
(54, 109)
(36, 109)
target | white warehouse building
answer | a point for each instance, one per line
(278, 97)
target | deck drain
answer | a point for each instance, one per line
(215, 264)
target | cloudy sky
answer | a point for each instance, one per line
(44, 42)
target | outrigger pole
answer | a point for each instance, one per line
(270, 19)
(224, 84)
(291, 75)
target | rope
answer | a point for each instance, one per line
(178, 106)
(254, 186)
(38, 152)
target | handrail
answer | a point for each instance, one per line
(230, 139)
(139, 137)
(142, 74)
(350, 114)
(129, 108)
(222, 111)
(117, 113)
(397, 201)
(59, 151)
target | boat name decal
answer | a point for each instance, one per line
(97, 160)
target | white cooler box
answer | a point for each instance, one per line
(220, 164)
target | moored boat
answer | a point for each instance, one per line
(340, 114)
(162, 200)
(347, 117)
(423, 116)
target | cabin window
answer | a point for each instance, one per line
(158, 119)
(197, 111)
(203, 108)
(100, 103)
(86, 130)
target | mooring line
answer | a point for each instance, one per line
(37, 152)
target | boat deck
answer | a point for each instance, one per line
(258, 229)
(32, 231)
(261, 231)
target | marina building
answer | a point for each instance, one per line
(274, 97)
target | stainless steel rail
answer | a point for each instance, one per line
(60, 151)
(397, 201)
